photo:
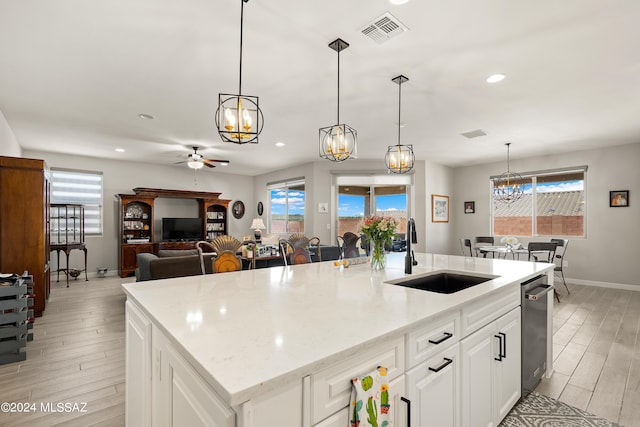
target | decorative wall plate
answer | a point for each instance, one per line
(134, 211)
(237, 209)
(260, 208)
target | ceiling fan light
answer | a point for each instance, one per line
(195, 164)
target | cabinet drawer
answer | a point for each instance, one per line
(487, 309)
(331, 387)
(397, 387)
(436, 336)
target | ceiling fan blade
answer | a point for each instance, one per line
(177, 163)
(216, 160)
(210, 165)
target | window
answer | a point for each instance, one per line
(553, 204)
(286, 213)
(80, 187)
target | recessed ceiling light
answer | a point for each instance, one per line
(496, 78)
(120, 150)
(397, 2)
(280, 144)
(224, 164)
(146, 116)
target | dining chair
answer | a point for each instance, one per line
(226, 259)
(559, 259)
(542, 251)
(203, 248)
(348, 244)
(483, 241)
(466, 243)
(297, 249)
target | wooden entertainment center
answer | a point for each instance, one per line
(136, 222)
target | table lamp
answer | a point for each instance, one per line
(257, 225)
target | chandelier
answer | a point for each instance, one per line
(239, 118)
(338, 142)
(399, 158)
(507, 188)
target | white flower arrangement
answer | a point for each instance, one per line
(509, 241)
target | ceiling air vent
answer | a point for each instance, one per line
(384, 28)
(474, 133)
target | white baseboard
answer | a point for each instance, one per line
(601, 284)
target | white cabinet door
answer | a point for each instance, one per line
(477, 354)
(181, 397)
(138, 368)
(508, 374)
(433, 388)
(491, 371)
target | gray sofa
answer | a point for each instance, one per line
(171, 263)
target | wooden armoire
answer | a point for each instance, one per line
(24, 223)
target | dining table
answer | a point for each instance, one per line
(502, 251)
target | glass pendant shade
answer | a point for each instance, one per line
(338, 142)
(239, 118)
(399, 158)
(508, 187)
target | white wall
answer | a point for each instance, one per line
(8, 143)
(608, 254)
(123, 176)
(439, 235)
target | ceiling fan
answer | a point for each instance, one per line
(196, 160)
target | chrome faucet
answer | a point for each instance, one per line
(412, 237)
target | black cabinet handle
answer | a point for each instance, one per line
(499, 358)
(504, 344)
(446, 336)
(443, 365)
(408, 402)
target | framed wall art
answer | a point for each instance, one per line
(469, 207)
(619, 198)
(439, 208)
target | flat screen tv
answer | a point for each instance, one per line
(179, 229)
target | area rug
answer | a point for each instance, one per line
(542, 411)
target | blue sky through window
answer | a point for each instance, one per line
(350, 206)
(278, 201)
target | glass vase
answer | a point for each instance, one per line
(378, 256)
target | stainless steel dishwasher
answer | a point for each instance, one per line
(534, 296)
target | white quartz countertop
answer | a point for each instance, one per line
(251, 331)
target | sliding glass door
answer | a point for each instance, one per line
(355, 202)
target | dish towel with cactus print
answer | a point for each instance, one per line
(370, 400)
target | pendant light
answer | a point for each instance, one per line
(507, 188)
(338, 142)
(399, 158)
(239, 118)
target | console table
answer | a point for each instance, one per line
(67, 248)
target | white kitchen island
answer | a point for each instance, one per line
(278, 346)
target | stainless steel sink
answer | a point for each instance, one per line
(443, 282)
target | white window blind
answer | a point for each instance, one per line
(83, 188)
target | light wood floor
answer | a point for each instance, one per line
(77, 355)
(597, 353)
